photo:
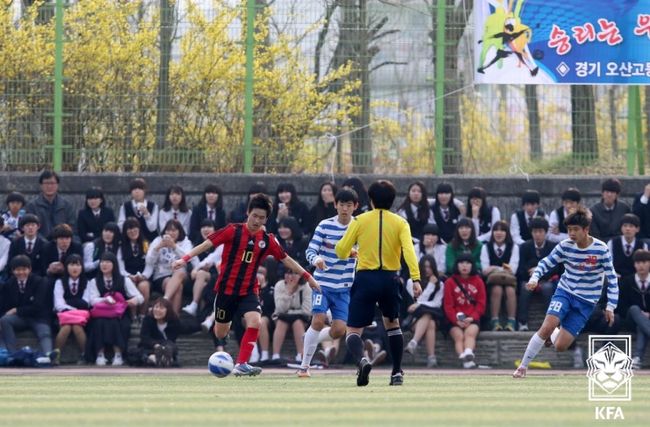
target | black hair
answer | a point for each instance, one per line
(613, 185)
(174, 223)
(641, 255)
(345, 196)
(430, 229)
(382, 194)
(257, 188)
(73, 259)
(212, 188)
(20, 261)
(61, 231)
(423, 209)
(457, 242)
(357, 185)
(95, 193)
(434, 267)
(445, 187)
(478, 193)
(182, 206)
(631, 219)
(117, 277)
(292, 224)
(47, 174)
(571, 194)
(284, 187)
(28, 219)
(260, 201)
(15, 196)
(115, 229)
(580, 218)
(501, 225)
(171, 314)
(2, 221)
(538, 223)
(138, 183)
(320, 203)
(530, 196)
(465, 258)
(129, 223)
(207, 222)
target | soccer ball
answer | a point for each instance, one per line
(220, 364)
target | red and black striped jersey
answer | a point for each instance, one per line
(242, 254)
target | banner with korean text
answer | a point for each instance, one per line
(562, 42)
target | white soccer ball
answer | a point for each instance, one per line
(220, 364)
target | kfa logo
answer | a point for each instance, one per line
(610, 373)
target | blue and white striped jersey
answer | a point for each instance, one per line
(340, 272)
(584, 270)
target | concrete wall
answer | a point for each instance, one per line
(504, 192)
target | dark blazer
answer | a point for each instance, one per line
(199, 213)
(51, 253)
(34, 303)
(89, 227)
(18, 247)
(299, 211)
(643, 212)
(528, 259)
(629, 294)
(150, 335)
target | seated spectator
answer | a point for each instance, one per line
(622, 247)
(95, 214)
(109, 240)
(447, 211)
(30, 244)
(355, 183)
(145, 211)
(431, 244)
(464, 304)
(51, 208)
(205, 272)
(464, 241)
(131, 257)
(24, 305)
(608, 213)
(71, 295)
(288, 204)
(634, 304)
(158, 335)
(5, 244)
(210, 207)
(240, 214)
(641, 208)
(427, 310)
(500, 260)
(530, 254)
(15, 211)
(104, 333)
(169, 247)
(175, 207)
(520, 220)
(291, 239)
(267, 301)
(483, 216)
(56, 252)
(324, 207)
(292, 310)
(570, 202)
(415, 209)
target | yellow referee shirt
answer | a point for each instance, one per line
(382, 237)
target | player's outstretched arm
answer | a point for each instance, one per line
(195, 251)
(291, 264)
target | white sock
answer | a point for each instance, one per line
(265, 355)
(469, 351)
(534, 346)
(298, 357)
(554, 335)
(324, 334)
(275, 356)
(312, 338)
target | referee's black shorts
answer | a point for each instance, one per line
(371, 288)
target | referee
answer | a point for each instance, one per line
(382, 237)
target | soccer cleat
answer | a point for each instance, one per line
(397, 379)
(411, 347)
(117, 360)
(101, 360)
(246, 370)
(520, 372)
(363, 373)
(303, 373)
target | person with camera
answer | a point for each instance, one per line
(139, 207)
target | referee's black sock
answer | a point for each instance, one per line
(396, 345)
(355, 346)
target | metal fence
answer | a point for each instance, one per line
(337, 86)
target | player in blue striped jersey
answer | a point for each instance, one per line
(587, 262)
(335, 276)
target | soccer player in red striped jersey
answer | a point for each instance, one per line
(246, 245)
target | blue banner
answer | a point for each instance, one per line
(562, 42)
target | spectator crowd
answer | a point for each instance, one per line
(92, 274)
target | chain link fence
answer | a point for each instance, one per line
(340, 86)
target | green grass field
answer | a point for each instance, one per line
(192, 400)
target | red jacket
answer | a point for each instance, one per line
(455, 302)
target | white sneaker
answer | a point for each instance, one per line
(101, 360)
(636, 362)
(467, 355)
(206, 325)
(117, 360)
(190, 309)
(469, 365)
(411, 347)
(523, 327)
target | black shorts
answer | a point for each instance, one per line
(157, 285)
(374, 288)
(226, 306)
(290, 318)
